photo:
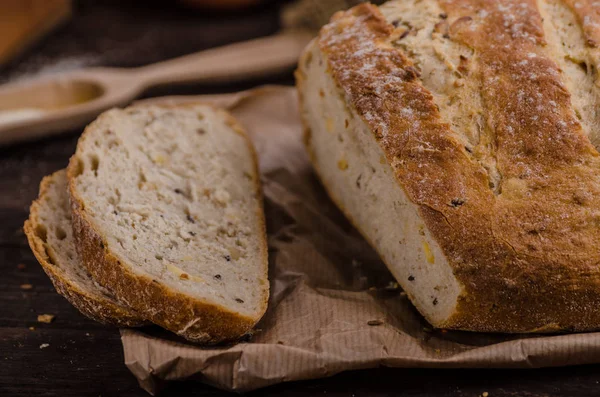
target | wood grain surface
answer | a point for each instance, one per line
(84, 358)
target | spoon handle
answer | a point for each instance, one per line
(237, 61)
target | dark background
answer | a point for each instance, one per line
(85, 358)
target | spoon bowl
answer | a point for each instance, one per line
(48, 105)
(48, 94)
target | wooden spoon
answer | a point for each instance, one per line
(49, 105)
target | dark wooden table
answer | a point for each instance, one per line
(84, 358)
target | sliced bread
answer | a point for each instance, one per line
(167, 211)
(50, 236)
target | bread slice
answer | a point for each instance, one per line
(167, 211)
(459, 139)
(50, 237)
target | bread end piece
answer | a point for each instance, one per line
(91, 303)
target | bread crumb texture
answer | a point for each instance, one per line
(173, 194)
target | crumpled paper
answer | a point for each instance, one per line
(333, 306)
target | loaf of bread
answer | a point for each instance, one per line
(50, 237)
(167, 212)
(460, 137)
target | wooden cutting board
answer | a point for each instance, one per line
(24, 22)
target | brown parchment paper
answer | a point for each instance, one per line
(333, 306)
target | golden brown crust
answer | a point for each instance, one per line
(193, 319)
(588, 15)
(92, 306)
(524, 252)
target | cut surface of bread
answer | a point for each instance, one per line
(458, 136)
(167, 201)
(50, 237)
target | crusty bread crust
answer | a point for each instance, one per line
(93, 306)
(194, 319)
(525, 252)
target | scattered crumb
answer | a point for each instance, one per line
(21, 266)
(45, 318)
(26, 286)
(87, 334)
(32, 328)
(437, 351)
(484, 394)
(44, 345)
(247, 337)
(374, 322)
(444, 331)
